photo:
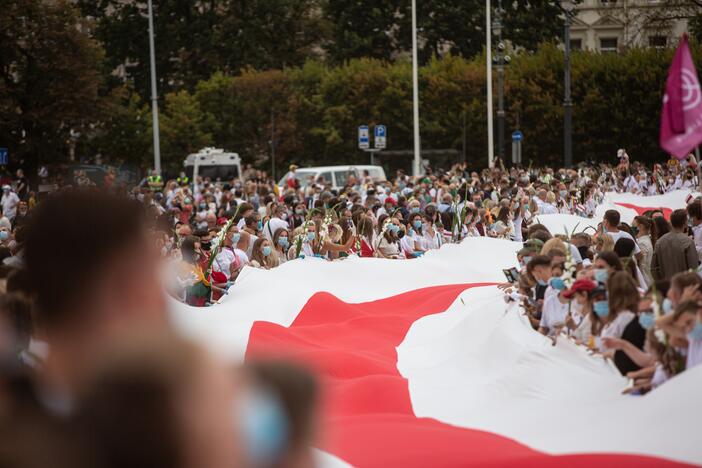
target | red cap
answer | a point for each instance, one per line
(582, 285)
(222, 221)
(391, 201)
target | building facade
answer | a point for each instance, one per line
(613, 26)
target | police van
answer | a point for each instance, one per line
(214, 163)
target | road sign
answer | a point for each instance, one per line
(4, 157)
(517, 136)
(363, 137)
(380, 136)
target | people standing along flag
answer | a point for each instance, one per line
(681, 117)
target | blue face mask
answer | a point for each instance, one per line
(235, 238)
(527, 260)
(263, 426)
(696, 332)
(647, 320)
(558, 284)
(266, 250)
(414, 210)
(542, 282)
(4, 235)
(667, 306)
(283, 241)
(601, 275)
(310, 236)
(601, 308)
(516, 206)
(417, 224)
(259, 225)
(394, 228)
(563, 193)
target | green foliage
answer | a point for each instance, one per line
(616, 103)
(49, 78)
(183, 129)
(123, 134)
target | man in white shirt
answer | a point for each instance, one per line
(610, 223)
(694, 210)
(276, 222)
(553, 314)
(9, 202)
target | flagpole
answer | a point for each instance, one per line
(488, 66)
(416, 167)
(154, 94)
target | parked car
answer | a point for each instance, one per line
(337, 176)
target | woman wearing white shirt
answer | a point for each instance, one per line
(615, 318)
(432, 236)
(416, 223)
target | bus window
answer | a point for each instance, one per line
(326, 176)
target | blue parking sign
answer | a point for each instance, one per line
(4, 157)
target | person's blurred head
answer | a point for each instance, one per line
(678, 219)
(95, 271)
(679, 282)
(622, 292)
(540, 268)
(158, 401)
(611, 220)
(293, 391)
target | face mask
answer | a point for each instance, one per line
(393, 228)
(283, 242)
(527, 260)
(417, 224)
(601, 275)
(205, 246)
(667, 306)
(266, 250)
(4, 235)
(186, 201)
(202, 206)
(542, 282)
(299, 211)
(310, 236)
(263, 425)
(414, 210)
(696, 332)
(601, 308)
(259, 225)
(235, 238)
(563, 193)
(558, 284)
(516, 206)
(647, 320)
(400, 234)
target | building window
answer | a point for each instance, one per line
(608, 44)
(657, 41)
(576, 44)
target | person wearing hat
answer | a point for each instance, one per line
(9, 202)
(580, 294)
(292, 181)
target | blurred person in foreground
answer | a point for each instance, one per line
(96, 278)
(158, 401)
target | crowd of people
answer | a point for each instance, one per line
(92, 374)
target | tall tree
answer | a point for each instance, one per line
(49, 77)
(196, 39)
(366, 28)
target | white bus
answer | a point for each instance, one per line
(214, 163)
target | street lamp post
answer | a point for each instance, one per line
(568, 6)
(154, 92)
(500, 60)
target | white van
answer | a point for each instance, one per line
(334, 175)
(214, 163)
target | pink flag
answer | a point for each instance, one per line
(681, 117)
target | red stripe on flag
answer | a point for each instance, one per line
(367, 417)
(643, 209)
